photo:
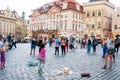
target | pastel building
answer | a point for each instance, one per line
(116, 22)
(11, 22)
(7, 22)
(61, 18)
(98, 18)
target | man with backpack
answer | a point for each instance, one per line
(117, 43)
(94, 43)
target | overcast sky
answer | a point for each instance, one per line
(28, 5)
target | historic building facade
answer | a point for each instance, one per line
(61, 17)
(98, 18)
(7, 22)
(116, 22)
(20, 27)
(11, 22)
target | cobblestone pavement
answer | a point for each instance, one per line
(78, 61)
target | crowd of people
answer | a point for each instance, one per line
(110, 47)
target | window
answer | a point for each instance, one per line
(92, 26)
(73, 27)
(79, 28)
(76, 16)
(118, 15)
(4, 24)
(61, 27)
(66, 16)
(115, 27)
(76, 27)
(98, 25)
(54, 16)
(65, 26)
(79, 16)
(93, 13)
(99, 13)
(87, 14)
(73, 15)
(61, 16)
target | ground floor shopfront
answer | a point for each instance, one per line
(48, 34)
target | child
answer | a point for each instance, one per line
(6, 45)
(41, 57)
(2, 63)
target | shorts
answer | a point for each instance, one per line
(33, 46)
(110, 51)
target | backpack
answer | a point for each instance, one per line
(89, 41)
(94, 42)
(117, 41)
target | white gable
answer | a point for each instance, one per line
(53, 10)
(77, 6)
(65, 4)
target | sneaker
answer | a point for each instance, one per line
(2, 67)
(40, 70)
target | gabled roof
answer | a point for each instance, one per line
(58, 4)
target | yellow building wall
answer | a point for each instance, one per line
(105, 19)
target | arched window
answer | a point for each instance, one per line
(93, 13)
(92, 26)
(87, 14)
(99, 13)
(99, 25)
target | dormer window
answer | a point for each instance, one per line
(77, 6)
(65, 4)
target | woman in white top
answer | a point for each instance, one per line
(110, 51)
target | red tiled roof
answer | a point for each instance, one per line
(59, 4)
(30, 15)
(71, 6)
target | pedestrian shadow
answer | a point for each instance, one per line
(41, 77)
(59, 56)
